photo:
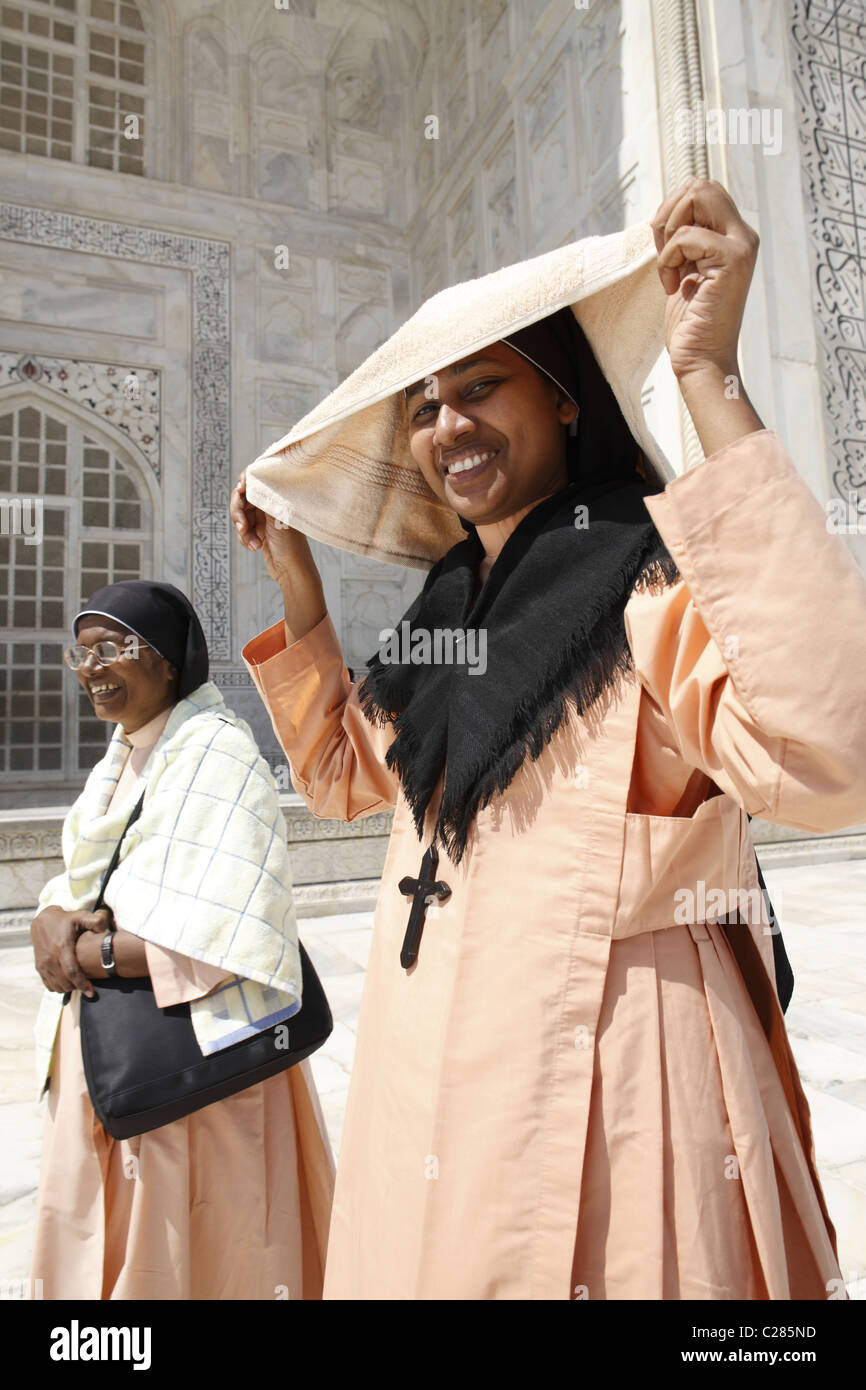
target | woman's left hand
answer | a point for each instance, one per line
(706, 257)
(55, 934)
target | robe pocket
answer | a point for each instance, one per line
(676, 867)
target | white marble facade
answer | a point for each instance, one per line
(312, 169)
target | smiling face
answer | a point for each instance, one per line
(135, 688)
(489, 438)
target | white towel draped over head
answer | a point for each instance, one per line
(345, 474)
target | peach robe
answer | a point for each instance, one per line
(232, 1202)
(574, 1093)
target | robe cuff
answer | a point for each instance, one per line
(270, 649)
(293, 679)
(336, 756)
(178, 979)
(732, 477)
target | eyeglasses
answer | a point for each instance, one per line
(106, 653)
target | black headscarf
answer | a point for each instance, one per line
(552, 607)
(558, 347)
(163, 617)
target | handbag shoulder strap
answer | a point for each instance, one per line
(134, 815)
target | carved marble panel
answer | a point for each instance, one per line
(281, 131)
(545, 106)
(212, 114)
(605, 109)
(286, 402)
(300, 271)
(363, 313)
(829, 56)
(492, 11)
(495, 51)
(449, 27)
(433, 264)
(127, 396)
(208, 65)
(369, 606)
(500, 166)
(22, 882)
(361, 329)
(550, 172)
(301, 826)
(361, 145)
(362, 281)
(329, 861)
(211, 577)
(286, 324)
(616, 206)
(500, 196)
(461, 218)
(284, 176)
(358, 97)
(360, 186)
(210, 162)
(34, 842)
(502, 215)
(40, 296)
(550, 169)
(279, 83)
(459, 104)
(465, 262)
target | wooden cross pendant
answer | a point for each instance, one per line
(422, 890)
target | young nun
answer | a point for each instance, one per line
(572, 1077)
(232, 1201)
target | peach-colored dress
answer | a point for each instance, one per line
(583, 1089)
(232, 1202)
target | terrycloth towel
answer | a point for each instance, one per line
(204, 870)
(345, 474)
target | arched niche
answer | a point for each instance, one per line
(107, 434)
(81, 512)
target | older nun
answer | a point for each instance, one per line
(234, 1200)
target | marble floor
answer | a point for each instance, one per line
(823, 912)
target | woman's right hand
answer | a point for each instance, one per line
(282, 546)
(54, 933)
(288, 558)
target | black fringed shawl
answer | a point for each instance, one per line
(551, 610)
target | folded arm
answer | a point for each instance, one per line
(130, 955)
(757, 656)
(176, 979)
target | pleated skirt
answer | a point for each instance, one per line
(232, 1202)
(700, 1178)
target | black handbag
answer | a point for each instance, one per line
(143, 1065)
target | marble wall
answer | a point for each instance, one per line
(827, 47)
(266, 130)
(803, 343)
(314, 169)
